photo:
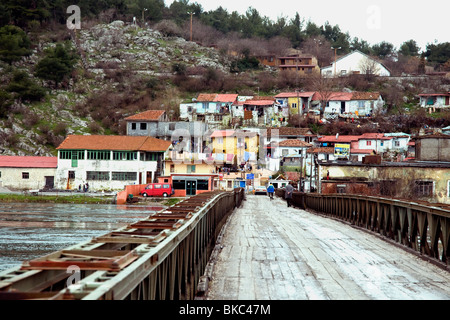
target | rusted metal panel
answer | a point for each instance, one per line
(84, 259)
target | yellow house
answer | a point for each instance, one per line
(242, 145)
(294, 100)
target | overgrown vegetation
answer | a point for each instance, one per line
(45, 90)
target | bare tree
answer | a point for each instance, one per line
(369, 67)
(320, 48)
(324, 87)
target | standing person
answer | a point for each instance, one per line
(271, 190)
(288, 194)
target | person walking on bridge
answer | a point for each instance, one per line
(270, 191)
(288, 194)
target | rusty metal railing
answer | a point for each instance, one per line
(160, 257)
(421, 228)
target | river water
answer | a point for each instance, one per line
(31, 230)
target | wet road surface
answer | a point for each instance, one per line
(274, 252)
(28, 231)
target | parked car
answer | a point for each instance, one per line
(261, 190)
(157, 190)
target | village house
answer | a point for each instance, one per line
(434, 101)
(27, 172)
(214, 109)
(109, 162)
(235, 146)
(303, 64)
(349, 105)
(355, 62)
(188, 136)
(294, 102)
(262, 111)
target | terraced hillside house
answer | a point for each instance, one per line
(187, 135)
(27, 172)
(214, 109)
(109, 162)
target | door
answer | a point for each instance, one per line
(191, 188)
(74, 159)
(149, 177)
(49, 182)
(342, 107)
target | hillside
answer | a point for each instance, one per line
(120, 69)
(125, 69)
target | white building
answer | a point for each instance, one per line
(355, 62)
(27, 172)
(348, 104)
(109, 162)
(435, 100)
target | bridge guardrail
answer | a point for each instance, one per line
(160, 257)
(420, 228)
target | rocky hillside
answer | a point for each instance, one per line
(124, 69)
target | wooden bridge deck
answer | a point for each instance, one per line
(274, 252)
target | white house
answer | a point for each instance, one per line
(355, 62)
(435, 100)
(348, 104)
(109, 162)
(27, 172)
(214, 109)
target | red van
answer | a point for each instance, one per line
(157, 190)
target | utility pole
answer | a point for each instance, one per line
(191, 13)
(143, 20)
(335, 55)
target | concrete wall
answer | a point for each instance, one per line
(405, 177)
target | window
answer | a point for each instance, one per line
(368, 143)
(97, 175)
(397, 143)
(98, 155)
(25, 175)
(191, 169)
(71, 154)
(229, 184)
(423, 188)
(123, 176)
(143, 126)
(71, 174)
(172, 125)
(172, 168)
(0, 174)
(133, 126)
(179, 184)
(293, 105)
(157, 186)
(125, 155)
(202, 184)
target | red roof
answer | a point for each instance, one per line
(28, 162)
(294, 143)
(364, 151)
(370, 136)
(259, 102)
(339, 138)
(333, 96)
(225, 98)
(149, 115)
(222, 133)
(122, 143)
(294, 94)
